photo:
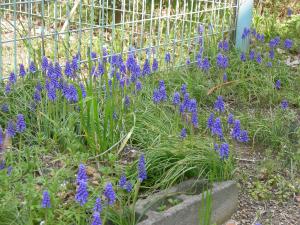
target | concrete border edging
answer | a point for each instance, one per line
(224, 202)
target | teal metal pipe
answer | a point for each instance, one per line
(244, 20)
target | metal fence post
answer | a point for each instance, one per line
(244, 20)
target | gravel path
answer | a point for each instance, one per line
(265, 212)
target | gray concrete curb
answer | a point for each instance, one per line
(224, 203)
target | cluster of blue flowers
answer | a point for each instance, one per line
(109, 193)
(215, 126)
(237, 133)
(160, 93)
(82, 192)
(12, 127)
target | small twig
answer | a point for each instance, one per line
(247, 160)
(219, 86)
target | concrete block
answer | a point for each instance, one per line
(190, 196)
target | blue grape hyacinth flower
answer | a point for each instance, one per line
(236, 131)
(146, 68)
(243, 57)
(219, 104)
(176, 98)
(32, 67)
(96, 219)
(138, 86)
(154, 65)
(44, 63)
(82, 193)
(10, 129)
(217, 128)
(277, 84)
(167, 57)
(230, 119)
(46, 200)
(122, 181)
(128, 186)
(2, 164)
(21, 124)
(210, 121)
(156, 96)
(12, 78)
(289, 12)
(81, 174)
(1, 137)
(109, 193)
(5, 108)
(98, 205)
(194, 119)
(22, 71)
(68, 69)
(284, 104)
(205, 65)
(244, 136)
(288, 43)
(224, 151)
(251, 54)
(183, 133)
(142, 172)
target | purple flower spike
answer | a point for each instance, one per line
(82, 193)
(81, 174)
(12, 78)
(251, 55)
(10, 129)
(155, 65)
(217, 128)
(44, 63)
(277, 84)
(98, 205)
(210, 121)
(284, 104)
(32, 67)
(183, 133)
(146, 68)
(142, 173)
(46, 200)
(1, 138)
(21, 124)
(122, 181)
(176, 98)
(219, 104)
(289, 12)
(224, 151)
(236, 131)
(68, 69)
(96, 219)
(110, 194)
(230, 119)
(22, 71)
(243, 57)
(167, 57)
(156, 96)
(288, 43)
(244, 136)
(128, 186)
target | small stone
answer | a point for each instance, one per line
(231, 222)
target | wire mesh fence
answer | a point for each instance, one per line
(60, 29)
